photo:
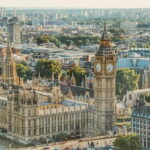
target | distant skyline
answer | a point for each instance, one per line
(77, 3)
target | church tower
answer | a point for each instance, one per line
(104, 86)
(9, 74)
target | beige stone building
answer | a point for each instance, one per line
(33, 111)
(32, 115)
(104, 86)
(8, 66)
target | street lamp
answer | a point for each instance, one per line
(47, 141)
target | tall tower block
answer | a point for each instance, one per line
(14, 34)
(104, 86)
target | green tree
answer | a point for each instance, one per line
(126, 80)
(23, 71)
(68, 40)
(79, 74)
(147, 98)
(79, 43)
(78, 40)
(42, 39)
(87, 41)
(62, 137)
(54, 40)
(47, 39)
(48, 67)
(128, 142)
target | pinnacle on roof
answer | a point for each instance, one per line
(8, 51)
(105, 34)
(105, 44)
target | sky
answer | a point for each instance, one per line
(77, 3)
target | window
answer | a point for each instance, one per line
(34, 131)
(71, 126)
(66, 127)
(29, 132)
(40, 121)
(59, 118)
(60, 128)
(43, 121)
(54, 129)
(77, 125)
(34, 111)
(46, 119)
(40, 131)
(29, 123)
(66, 117)
(23, 132)
(23, 123)
(22, 111)
(83, 125)
(29, 112)
(34, 122)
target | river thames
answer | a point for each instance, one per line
(5, 144)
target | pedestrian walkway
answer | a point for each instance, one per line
(81, 144)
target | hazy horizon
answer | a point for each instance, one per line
(76, 4)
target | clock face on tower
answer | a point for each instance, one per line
(98, 67)
(109, 67)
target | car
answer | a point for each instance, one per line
(67, 148)
(46, 148)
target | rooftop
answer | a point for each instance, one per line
(142, 111)
(72, 103)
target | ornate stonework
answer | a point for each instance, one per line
(42, 109)
(104, 87)
(9, 74)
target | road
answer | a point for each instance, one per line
(82, 143)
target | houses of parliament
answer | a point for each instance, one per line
(31, 112)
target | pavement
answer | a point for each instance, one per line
(74, 144)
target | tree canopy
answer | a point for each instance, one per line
(48, 67)
(62, 137)
(23, 71)
(48, 39)
(68, 40)
(78, 40)
(118, 34)
(79, 74)
(128, 142)
(126, 80)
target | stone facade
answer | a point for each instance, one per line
(9, 74)
(34, 112)
(104, 86)
(3, 114)
(32, 115)
(141, 124)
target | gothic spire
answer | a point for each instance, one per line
(105, 36)
(8, 51)
(105, 43)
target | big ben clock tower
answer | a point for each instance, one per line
(104, 86)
